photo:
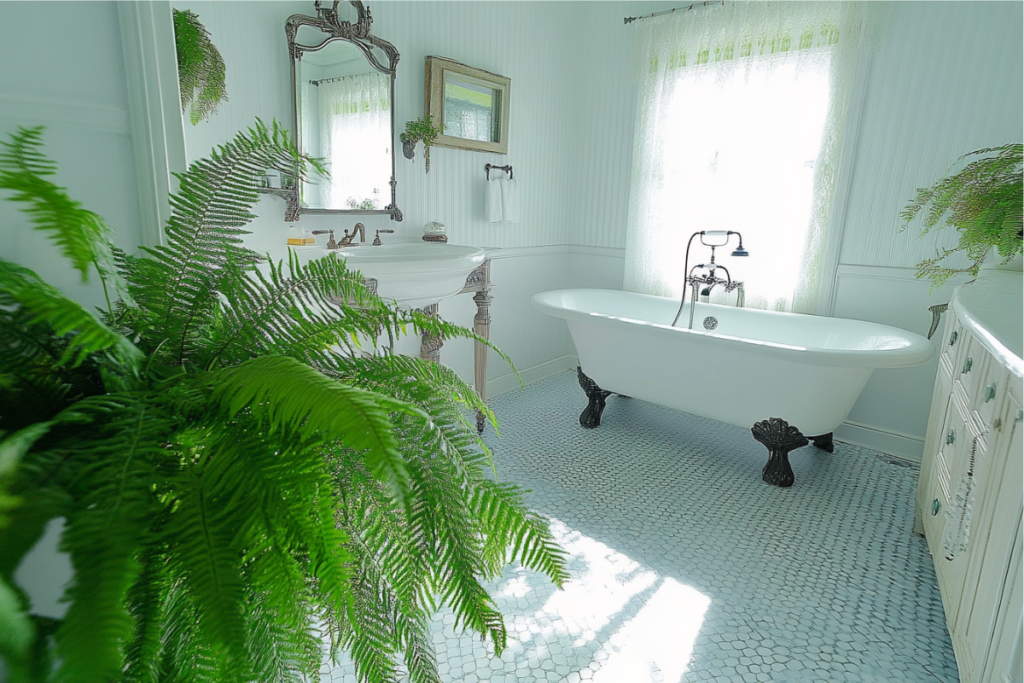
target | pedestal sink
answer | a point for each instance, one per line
(415, 274)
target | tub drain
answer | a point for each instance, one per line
(710, 322)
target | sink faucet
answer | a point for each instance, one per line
(347, 239)
(376, 238)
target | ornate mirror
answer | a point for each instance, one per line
(343, 82)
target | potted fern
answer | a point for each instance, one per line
(984, 202)
(240, 482)
(421, 130)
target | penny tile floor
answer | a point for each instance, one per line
(687, 567)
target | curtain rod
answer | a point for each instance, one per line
(331, 80)
(706, 3)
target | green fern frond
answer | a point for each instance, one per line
(86, 335)
(177, 288)
(290, 313)
(984, 201)
(95, 627)
(16, 632)
(201, 73)
(282, 392)
(81, 235)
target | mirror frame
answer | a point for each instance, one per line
(358, 34)
(434, 70)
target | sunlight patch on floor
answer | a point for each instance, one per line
(644, 623)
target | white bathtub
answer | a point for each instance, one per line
(806, 370)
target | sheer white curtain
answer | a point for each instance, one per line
(355, 140)
(741, 115)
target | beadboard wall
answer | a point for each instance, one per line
(947, 79)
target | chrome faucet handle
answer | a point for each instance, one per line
(376, 238)
(331, 244)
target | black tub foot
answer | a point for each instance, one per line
(591, 415)
(779, 437)
(824, 442)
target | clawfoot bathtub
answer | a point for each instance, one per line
(739, 366)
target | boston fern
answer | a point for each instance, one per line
(984, 201)
(245, 471)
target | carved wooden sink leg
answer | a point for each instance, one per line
(824, 442)
(779, 437)
(591, 415)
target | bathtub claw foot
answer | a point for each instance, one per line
(591, 415)
(824, 442)
(779, 437)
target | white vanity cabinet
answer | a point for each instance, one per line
(971, 492)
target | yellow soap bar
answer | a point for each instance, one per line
(301, 241)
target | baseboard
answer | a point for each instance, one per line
(902, 446)
(499, 385)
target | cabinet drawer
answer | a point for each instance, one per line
(943, 470)
(954, 340)
(971, 364)
(990, 600)
(991, 394)
(963, 450)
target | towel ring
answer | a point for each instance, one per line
(506, 169)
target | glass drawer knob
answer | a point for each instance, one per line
(952, 338)
(951, 436)
(990, 392)
(967, 365)
(935, 507)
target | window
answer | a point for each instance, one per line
(740, 109)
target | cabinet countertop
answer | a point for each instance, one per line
(992, 309)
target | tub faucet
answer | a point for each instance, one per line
(731, 286)
(709, 279)
(741, 295)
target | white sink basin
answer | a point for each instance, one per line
(415, 274)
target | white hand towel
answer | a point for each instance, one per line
(509, 201)
(492, 201)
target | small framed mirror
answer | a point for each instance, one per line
(344, 99)
(471, 104)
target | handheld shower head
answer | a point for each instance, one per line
(740, 251)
